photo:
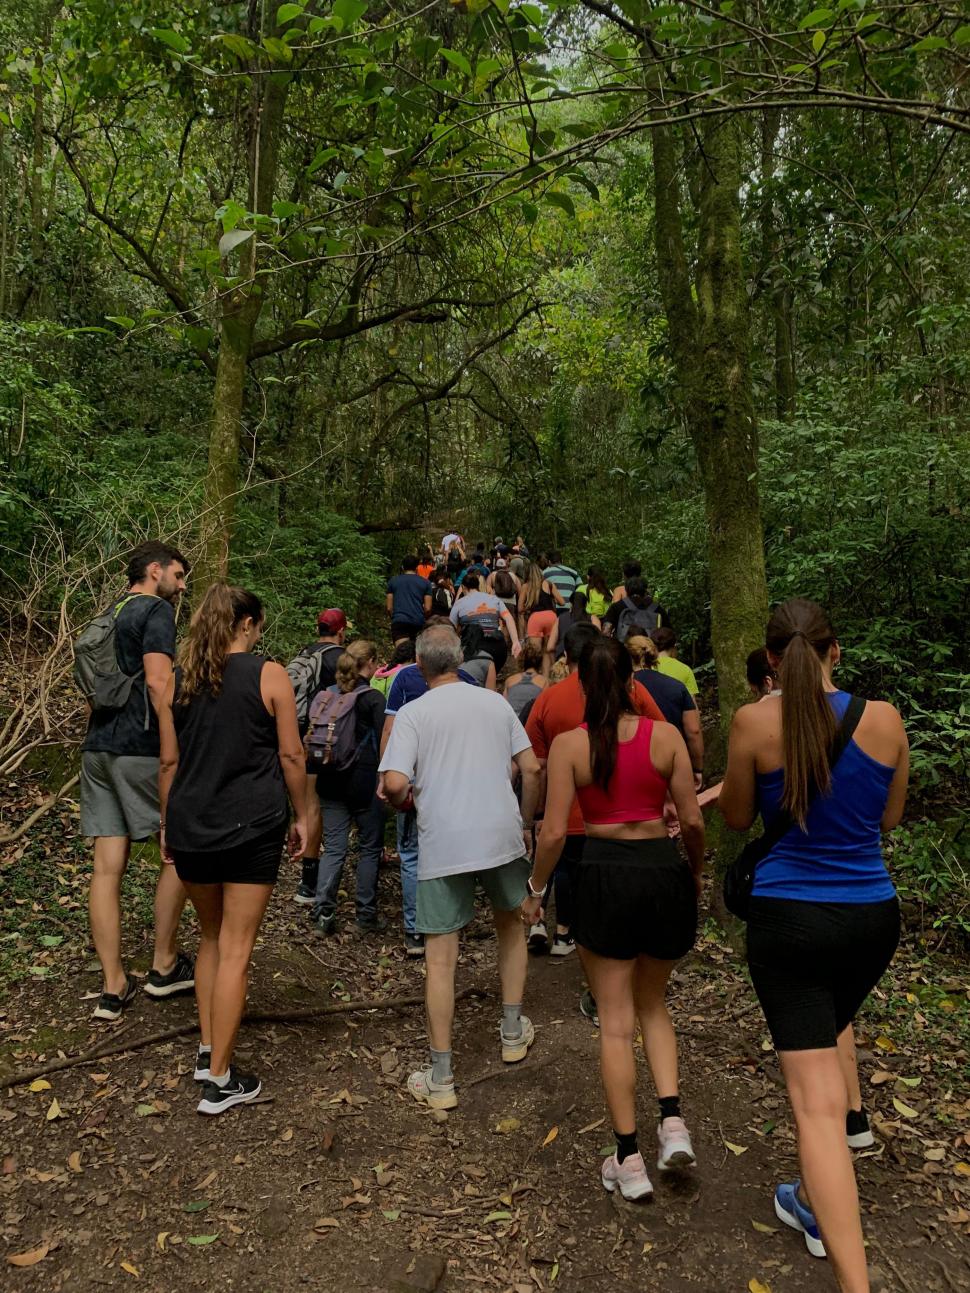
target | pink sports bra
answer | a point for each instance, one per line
(637, 790)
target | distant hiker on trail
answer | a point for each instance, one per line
(402, 654)
(564, 578)
(631, 570)
(762, 679)
(408, 601)
(635, 898)
(123, 663)
(575, 613)
(347, 787)
(828, 772)
(455, 746)
(450, 541)
(597, 592)
(539, 599)
(523, 687)
(311, 671)
(489, 614)
(230, 753)
(672, 696)
(425, 565)
(635, 612)
(665, 640)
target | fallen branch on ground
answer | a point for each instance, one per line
(10, 837)
(108, 1047)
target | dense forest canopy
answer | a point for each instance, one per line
(297, 285)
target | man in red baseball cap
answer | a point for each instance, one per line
(313, 669)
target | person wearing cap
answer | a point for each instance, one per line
(324, 654)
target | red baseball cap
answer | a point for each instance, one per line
(331, 621)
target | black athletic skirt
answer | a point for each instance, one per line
(257, 861)
(634, 898)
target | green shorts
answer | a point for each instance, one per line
(119, 795)
(447, 902)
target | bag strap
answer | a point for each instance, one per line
(130, 597)
(783, 823)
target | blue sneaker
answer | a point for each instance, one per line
(790, 1209)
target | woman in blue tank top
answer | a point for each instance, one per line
(824, 919)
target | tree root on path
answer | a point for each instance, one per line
(108, 1047)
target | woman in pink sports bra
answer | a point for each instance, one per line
(636, 898)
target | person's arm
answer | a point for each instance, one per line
(528, 766)
(557, 596)
(389, 603)
(685, 800)
(453, 613)
(695, 742)
(737, 800)
(168, 759)
(509, 623)
(619, 592)
(426, 603)
(277, 692)
(560, 792)
(490, 677)
(158, 674)
(553, 640)
(896, 800)
(399, 761)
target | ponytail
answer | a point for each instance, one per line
(800, 634)
(205, 650)
(605, 670)
(350, 661)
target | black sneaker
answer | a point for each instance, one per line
(413, 944)
(240, 1089)
(857, 1130)
(372, 925)
(305, 895)
(587, 1008)
(325, 926)
(202, 1060)
(180, 978)
(111, 1005)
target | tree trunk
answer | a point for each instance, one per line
(778, 291)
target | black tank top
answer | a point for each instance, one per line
(229, 787)
(545, 601)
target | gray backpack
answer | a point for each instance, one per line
(305, 671)
(637, 619)
(105, 686)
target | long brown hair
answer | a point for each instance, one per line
(605, 670)
(533, 586)
(204, 652)
(349, 663)
(800, 634)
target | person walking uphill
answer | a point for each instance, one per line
(455, 745)
(119, 766)
(230, 752)
(828, 773)
(636, 900)
(408, 601)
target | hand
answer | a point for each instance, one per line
(516, 650)
(381, 792)
(530, 909)
(698, 780)
(296, 843)
(166, 852)
(527, 841)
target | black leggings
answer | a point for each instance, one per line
(814, 963)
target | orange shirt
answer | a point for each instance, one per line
(426, 569)
(561, 708)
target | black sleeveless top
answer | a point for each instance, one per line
(228, 787)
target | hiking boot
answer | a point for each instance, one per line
(675, 1147)
(858, 1133)
(587, 1008)
(372, 925)
(306, 895)
(538, 939)
(325, 926)
(517, 1048)
(413, 944)
(630, 1175)
(111, 1004)
(790, 1209)
(562, 945)
(240, 1089)
(202, 1060)
(438, 1095)
(180, 978)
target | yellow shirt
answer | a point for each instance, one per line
(596, 603)
(677, 669)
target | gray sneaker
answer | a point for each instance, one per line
(517, 1048)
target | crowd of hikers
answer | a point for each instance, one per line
(536, 738)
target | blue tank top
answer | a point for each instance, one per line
(839, 857)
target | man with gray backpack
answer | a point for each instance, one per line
(635, 613)
(122, 665)
(311, 671)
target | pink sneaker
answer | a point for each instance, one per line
(630, 1176)
(675, 1147)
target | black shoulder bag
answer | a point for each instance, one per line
(739, 878)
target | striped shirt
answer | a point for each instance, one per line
(564, 578)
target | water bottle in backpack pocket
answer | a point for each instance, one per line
(331, 737)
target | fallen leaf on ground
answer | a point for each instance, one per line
(551, 1136)
(160, 1241)
(391, 1214)
(763, 1229)
(756, 1286)
(904, 1109)
(55, 1111)
(886, 1044)
(737, 1150)
(962, 1169)
(147, 1111)
(132, 1270)
(880, 1076)
(287, 1135)
(505, 1125)
(201, 1240)
(40, 1084)
(74, 1161)
(327, 1223)
(646, 1249)
(98, 1077)
(29, 1259)
(591, 1126)
(935, 1155)
(207, 1181)
(200, 1205)
(910, 1082)
(498, 1216)
(9, 1165)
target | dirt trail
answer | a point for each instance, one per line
(340, 1176)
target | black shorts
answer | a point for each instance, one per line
(255, 862)
(400, 630)
(814, 963)
(634, 898)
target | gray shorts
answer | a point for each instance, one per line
(119, 795)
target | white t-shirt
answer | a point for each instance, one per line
(456, 745)
(449, 539)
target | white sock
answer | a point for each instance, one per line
(219, 1081)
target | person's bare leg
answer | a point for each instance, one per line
(656, 1028)
(169, 902)
(207, 901)
(816, 1086)
(104, 907)
(611, 983)
(243, 906)
(850, 1067)
(314, 818)
(513, 955)
(440, 960)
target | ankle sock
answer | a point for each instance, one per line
(511, 1021)
(219, 1081)
(626, 1144)
(441, 1066)
(310, 868)
(669, 1106)
(205, 1052)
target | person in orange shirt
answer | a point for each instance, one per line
(425, 563)
(561, 707)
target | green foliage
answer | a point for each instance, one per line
(930, 863)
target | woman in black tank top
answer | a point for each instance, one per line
(230, 753)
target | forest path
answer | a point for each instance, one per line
(340, 1178)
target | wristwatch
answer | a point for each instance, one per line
(533, 893)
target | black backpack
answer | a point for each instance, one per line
(637, 619)
(98, 676)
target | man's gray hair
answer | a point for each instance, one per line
(438, 651)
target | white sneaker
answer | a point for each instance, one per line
(630, 1175)
(675, 1147)
(437, 1095)
(562, 945)
(517, 1048)
(538, 939)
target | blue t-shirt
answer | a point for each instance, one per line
(838, 858)
(409, 683)
(408, 591)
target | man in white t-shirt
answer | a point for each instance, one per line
(451, 751)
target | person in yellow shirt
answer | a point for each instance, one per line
(597, 591)
(665, 640)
